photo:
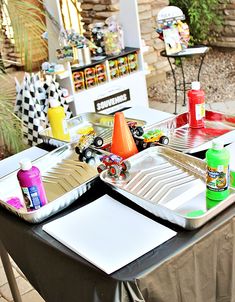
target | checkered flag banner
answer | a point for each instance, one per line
(31, 115)
(18, 103)
(18, 109)
(53, 90)
(32, 104)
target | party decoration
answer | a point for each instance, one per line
(172, 30)
(32, 104)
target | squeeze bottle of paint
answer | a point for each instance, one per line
(217, 178)
(31, 185)
(196, 105)
(56, 117)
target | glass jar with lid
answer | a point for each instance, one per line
(97, 37)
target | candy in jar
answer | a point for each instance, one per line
(97, 37)
(113, 37)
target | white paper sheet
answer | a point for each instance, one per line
(193, 51)
(11, 163)
(108, 234)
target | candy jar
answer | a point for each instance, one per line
(113, 37)
(97, 37)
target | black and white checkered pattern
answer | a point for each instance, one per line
(32, 102)
(53, 90)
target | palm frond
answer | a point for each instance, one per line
(11, 135)
(27, 21)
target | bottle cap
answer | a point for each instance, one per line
(25, 164)
(195, 85)
(217, 144)
(54, 103)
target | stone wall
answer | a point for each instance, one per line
(148, 10)
(98, 10)
(227, 35)
(31, 58)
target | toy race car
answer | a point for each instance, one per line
(153, 137)
(85, 141)
(115, 165)
(135, 130)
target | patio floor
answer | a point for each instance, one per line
(27, 292)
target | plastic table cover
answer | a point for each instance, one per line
(193, 266)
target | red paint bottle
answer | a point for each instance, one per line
(196, 106)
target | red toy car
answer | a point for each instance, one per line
(115, 165)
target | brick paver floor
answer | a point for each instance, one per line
(28, 293)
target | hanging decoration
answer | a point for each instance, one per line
(32, 104)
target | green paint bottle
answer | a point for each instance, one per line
(217, 177)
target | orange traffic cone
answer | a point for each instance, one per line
(123, 143)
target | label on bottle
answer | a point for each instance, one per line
(217, 178)
(65, 126)
(31, 197)
(200, 111)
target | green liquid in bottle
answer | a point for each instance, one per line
(217, 178)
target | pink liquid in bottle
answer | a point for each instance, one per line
(31, 185)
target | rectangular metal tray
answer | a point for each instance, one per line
(65, 178)
(188, 140)
(102, 124)
(170, 185)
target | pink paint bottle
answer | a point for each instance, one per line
(31, 185)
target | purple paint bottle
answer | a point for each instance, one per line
(31, 185)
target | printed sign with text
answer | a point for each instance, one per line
(112, 100)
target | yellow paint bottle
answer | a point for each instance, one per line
(56, 117)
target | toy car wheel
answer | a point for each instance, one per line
(77, 150)
(87, 153)
(101, 168)
(122, 175)
(132, 130)
(90, 161)
(80, 157)
(138, 142)
(114, 170)
(139, 131)
(98, 141)
(164, 140)
(126, 165)
(144, 145)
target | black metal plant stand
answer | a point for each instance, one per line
(189, 52)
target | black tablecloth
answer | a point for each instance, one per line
(193, 266)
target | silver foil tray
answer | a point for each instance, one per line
(102, 124)
(65, 178)
(188, 140)
(170, 185)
